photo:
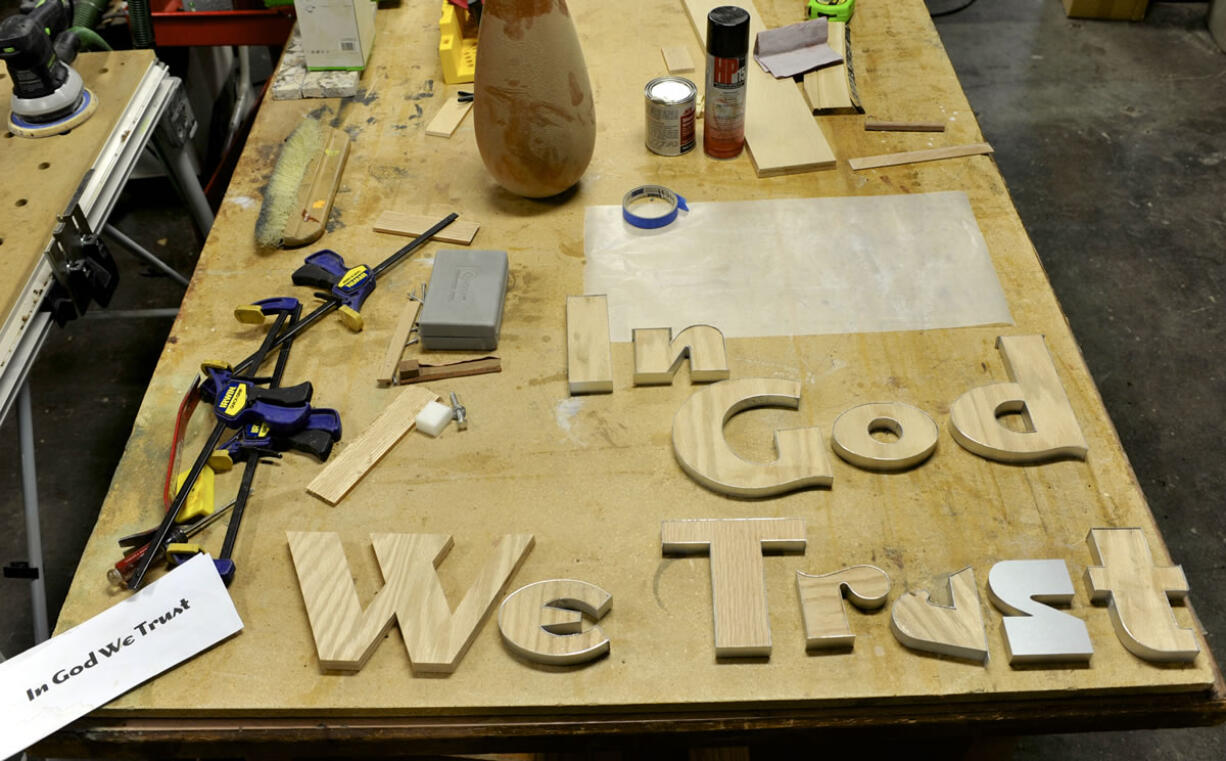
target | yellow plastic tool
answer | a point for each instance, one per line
(199, 499)
(220, 461)
(456, 52)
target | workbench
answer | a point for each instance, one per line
(592, 478)
(88, 166)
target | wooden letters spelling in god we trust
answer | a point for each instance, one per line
(545, 621)
(555, 621)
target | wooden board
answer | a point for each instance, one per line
(359, 455)
(780, 132)
(448, 118)
(413, 371)
(42, 174)
(880, 125)
(593, 477)
(398, 223)
(918, 157)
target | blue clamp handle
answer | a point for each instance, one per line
(652, 191)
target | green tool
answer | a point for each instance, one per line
(834, 10)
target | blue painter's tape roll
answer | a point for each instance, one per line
(652, 191)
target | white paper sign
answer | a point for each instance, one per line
(66, 677)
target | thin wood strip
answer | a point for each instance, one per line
(413, 225)
(878, 125)
(916, 157)
(412, 371)
(782, 136)
(448, 118)
(395, 345)
(359, 456)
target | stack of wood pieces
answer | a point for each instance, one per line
(832, 89)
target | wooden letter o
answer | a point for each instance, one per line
(853, 440)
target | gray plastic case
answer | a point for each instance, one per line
(463, 307)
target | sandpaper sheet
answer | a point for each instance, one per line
(795, 49)
(803, 266)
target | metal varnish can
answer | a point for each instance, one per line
(670, 115)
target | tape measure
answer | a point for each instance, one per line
(833, 10)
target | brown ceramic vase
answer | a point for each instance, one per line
(533, 111)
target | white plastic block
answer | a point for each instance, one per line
(433, 418)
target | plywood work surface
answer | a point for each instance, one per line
(40, 175)
(592, 478)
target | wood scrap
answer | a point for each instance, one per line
(916, 157)
(677, 58)
(448, 118)
(344, 470)
(415, 371)
(880, 125)
(395, 345)
(413, 225)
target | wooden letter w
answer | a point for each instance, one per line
(435, 637)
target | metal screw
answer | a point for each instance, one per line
(459, 413)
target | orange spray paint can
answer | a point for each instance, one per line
(723, 132)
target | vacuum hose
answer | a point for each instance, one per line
(90, 40)
(87, 12)
(141, 21)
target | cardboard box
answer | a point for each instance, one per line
(336, 34)
(1128, 10)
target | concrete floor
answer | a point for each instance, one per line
(1109, 135)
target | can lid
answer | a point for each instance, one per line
(728, 32)
(670, 90)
